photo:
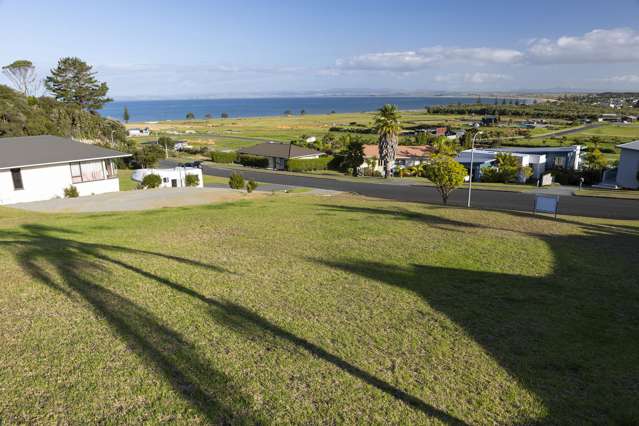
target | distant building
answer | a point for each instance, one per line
(489, 120)
(628, 168)
(610, 118)
(277, 153)
(35, 168)
(135, 132)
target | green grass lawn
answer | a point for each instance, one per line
(316, 310)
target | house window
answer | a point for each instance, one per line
(16, 175)
(560, 162)
(76, 173)
(111, 170)
(87, 172)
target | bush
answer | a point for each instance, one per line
(223, 157)
(236, 181)
(251, 185)
(71, 192)
(151, 181)
(192, 180)
(304, 165)
(253, 161)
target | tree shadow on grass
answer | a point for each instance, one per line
(72, 268)
(571, 337)
(157, 345)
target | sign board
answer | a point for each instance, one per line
(546, 204)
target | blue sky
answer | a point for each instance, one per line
(171, 49)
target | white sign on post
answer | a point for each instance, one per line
(546, 204)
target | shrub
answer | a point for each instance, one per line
(304, 165)
(251, 185)
(151, 181)
(192, 180)
(71, 192)
(253, 161)
(236, 181)
(223, 157)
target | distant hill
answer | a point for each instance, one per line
(22, 116)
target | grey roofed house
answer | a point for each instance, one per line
(29, 151)
(278, 152)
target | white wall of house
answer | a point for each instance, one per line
(175, 177)
(628, 168)
(47, 182)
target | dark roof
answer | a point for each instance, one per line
(630, 145)
(41, 150)
(540, 150)
(279, 150)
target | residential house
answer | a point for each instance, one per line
(34, 168)
(171, 178)
(406, 156)
(278, 153)
(610, 118)
(628, 168)
(489, 120)
(566, 157)
(539, 160)
(135, 132)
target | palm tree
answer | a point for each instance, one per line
(387, 126)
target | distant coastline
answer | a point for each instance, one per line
(161, 110)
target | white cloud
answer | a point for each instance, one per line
(617, 45)
(598, 46)
(628, 78)
(476, 78)
(429, 57)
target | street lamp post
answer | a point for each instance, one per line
(472, 159)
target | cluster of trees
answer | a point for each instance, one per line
(70, 111)
(566, 110)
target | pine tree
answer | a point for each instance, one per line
(125, 115)
(73, 82)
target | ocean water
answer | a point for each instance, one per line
(260, 107)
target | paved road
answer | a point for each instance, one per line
(568, 131)
(499, 200)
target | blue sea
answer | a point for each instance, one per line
(260, 107)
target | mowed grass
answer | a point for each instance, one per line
(316, 310)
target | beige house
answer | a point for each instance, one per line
(406, 156)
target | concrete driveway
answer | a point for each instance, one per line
(137, 200)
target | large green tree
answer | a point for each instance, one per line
(23, 75)
(73, 82)
(387, 126)
(125, 115)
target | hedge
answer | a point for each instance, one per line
(253, 161)
(223, 157)
(305, 165)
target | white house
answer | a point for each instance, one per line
(34, 168)
(483, 158)
(628, 168)
(171, 178)
(134, 132)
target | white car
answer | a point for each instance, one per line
(181, 146)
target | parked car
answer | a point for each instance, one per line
(193, 164)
